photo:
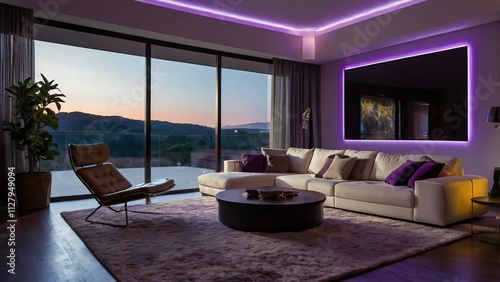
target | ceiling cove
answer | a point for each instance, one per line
(234, 11)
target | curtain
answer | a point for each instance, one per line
(295, 95)
(16, 61)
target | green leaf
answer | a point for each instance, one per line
(31, 115)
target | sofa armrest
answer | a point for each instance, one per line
(232, 165)
(446, 200)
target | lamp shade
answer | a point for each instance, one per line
(493, 115)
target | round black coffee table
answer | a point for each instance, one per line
(488, 237)
(270, 215)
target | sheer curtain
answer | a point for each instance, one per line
(16, 61)
(296, 87)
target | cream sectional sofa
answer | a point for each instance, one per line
(439, 201)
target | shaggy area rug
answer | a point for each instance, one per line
(186, 242)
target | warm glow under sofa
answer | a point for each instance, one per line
(441, 200)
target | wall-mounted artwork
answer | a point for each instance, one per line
(378, 118)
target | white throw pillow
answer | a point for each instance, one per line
(319, 158)
(340, 168)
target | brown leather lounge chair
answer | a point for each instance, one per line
(106, 183)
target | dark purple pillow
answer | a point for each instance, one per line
(428, 170)
(402, 174)
(253, 163)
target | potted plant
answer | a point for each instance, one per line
(33, 114)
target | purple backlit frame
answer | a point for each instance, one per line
(408, 55)
(271, 25)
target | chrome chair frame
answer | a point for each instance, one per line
(85, 161)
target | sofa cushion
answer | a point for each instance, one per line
(386, 163)
(319, 158)
(403, 173)
(231, 180)
(297, 181)
(272, 151)
(299, 159)
(364, 163)
(277, 164)
(253, 163)
(325, 186)
(376, 192)
(428, 170)
(340, 168)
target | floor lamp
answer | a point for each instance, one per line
(494, 117)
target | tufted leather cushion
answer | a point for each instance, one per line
(89, 154)
(104, 179)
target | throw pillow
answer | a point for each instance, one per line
(340, 168)
(325, 167)
(277, 164)
(430, 169)
(253, 163)
(364, 163)
(402, 174)
(451, 165)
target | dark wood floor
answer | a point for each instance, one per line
(47, 249)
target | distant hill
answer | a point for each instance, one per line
(78, 121)
(255, 125)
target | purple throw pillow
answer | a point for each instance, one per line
(253, 163)
(403, 173)
(428, 170)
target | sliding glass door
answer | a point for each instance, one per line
(183, 115)
(246, 94)
(106, 78)
(104, 103)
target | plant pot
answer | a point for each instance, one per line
(33, 190)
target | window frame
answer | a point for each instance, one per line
(148, 44)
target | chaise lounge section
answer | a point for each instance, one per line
(440, 200)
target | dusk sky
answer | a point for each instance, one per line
(107, 83)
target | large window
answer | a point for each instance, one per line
(245, 109)
(104, 103)
(105, 80)
(183, 113)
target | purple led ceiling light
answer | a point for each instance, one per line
(271, 25)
